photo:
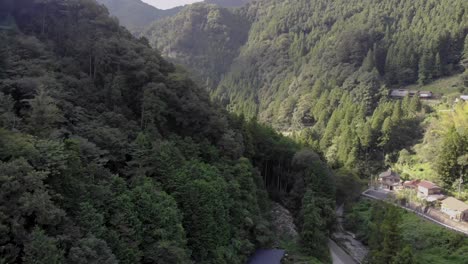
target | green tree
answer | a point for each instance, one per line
(44, 115)
(391, 235)
(438, 70)
(405, 256)
(8, 119)
(426, 67)
(313, 237)
(465, 53)
(163, 237)
(90, 220)
(42, 249)
(91, 250)
(454, 145)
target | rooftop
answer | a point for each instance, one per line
(388, 173)
(412, 183)
(455, 204)
(428, 185)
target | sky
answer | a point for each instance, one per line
(166, 4)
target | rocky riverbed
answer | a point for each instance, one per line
(346, 240)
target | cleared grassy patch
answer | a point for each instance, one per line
(433, 243)
(444, 86)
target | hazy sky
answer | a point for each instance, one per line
(166, 4)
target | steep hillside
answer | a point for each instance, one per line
(204, 37)
(325, 68)
(135, 14)
(293, 44)
(110, 154)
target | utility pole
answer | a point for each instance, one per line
(459, 185)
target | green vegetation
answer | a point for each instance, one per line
(208, 39)
(441, 156)
(110, 154)
(357, 45)
(444, 86)
(397, 236)
(322, 69)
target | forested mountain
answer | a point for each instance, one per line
(228, 3)
(135, 14)
(207, 39)
(309, 65)
(110, 154)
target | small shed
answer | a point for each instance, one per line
(455, 209)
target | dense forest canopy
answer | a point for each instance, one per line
(294, 44)
(208, 39)
(111, 154)
(324, 68)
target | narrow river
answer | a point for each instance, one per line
(357, 251)
(339, 256)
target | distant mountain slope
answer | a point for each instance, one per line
(202, 36)
(135, 14)
(228, 3)
(323, 67)
(357, 45)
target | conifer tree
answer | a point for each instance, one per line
(454, 145)
(426, 67)
(438, 67)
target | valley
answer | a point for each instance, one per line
(212, 131)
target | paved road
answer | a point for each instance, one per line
(339, 256)
(378, 194)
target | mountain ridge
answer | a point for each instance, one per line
(135, 15)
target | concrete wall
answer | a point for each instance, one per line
(437, 215)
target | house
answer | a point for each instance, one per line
(427, 188)
(425, 94)
(413, 184)
(398, 93)
(389, 180)
(455, 209)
